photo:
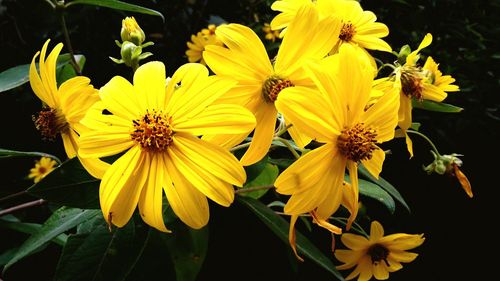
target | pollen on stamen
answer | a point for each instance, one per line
(50, 122)
(153, 131)
(347, 31)
(357, 143)
(273, 86)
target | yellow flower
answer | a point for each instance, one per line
(64, 107)
(378, 255)
(359, 27)
(335, 115)
(418, 83)
(270, 35)
(260, 81)
(198, 43)
(42, 168)
(156, 126)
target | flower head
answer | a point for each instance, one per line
(270, 34)
(260, 81)
(335, 115)
(64, 106)
(449, 164)
(358, 27)
(199, 41)
(42, 168)
(376, 255)
(156, 127)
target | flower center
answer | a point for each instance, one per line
(50, 122)
(357, 143)
(153, 131)
(347, 32)
(412, 82)
(378, 253)
(42, 170)
(273, 86)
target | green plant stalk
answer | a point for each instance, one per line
(426, 138)
(289, 146)
(250, 189)
(76, 67)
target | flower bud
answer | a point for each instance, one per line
(132, 32)
(130, 53)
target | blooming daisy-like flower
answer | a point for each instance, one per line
(64, 107)
(155, 126)
(335, 115)
(270, 34)
(42, 168)
(199, 41)
(358, 27)
(377, 255)
(259, 80)
(419, 83)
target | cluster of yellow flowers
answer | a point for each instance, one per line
(174, 135)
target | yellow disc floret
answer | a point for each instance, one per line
(153, 131)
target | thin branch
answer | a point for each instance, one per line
(289, 146)
(68, 41)
(426, 138)
(22, 206)
(13, 195)
(241, 146)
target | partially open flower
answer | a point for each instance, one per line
(449, 164)
(131, 31)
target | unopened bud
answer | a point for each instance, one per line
(132, 32)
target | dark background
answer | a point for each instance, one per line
(460, 232)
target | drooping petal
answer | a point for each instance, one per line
(219, 119)
(150, 83)
(201, 177)
(262, 136)
(306, 110)
(121, 186)
(189, 204)
(291, 236)
(374, 165)
(353, 176)
(151, 199)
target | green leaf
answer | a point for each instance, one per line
(436, 106)
(282, 162)
(280, 227)
(385, 185)
(101, 255)
(6, 256)
(5, 153)
(18, 75)
(67, 71)
(61, 220)
(69, 185)
(32, 228)
(118, 5)
(374, 191)
(265, 178)
(188, 248)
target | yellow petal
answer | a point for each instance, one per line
(365, 269)
(354, 242)
(48, 70)
(383, 116)
(373, 43)
(376, 231)
(201, 178)
(402, 241)
(380, 271)
(212, 158)
(348, 257)
(374, 165)
(121, 186)
(464, 182)
(353, 176)
(225, 141)
(402, 256)
(262, 136)
(219, 119)
(433, 93)
(300, 139)
(307, 111)
(291, 236)
(70, 141)
(76, 97)
(404, 112)
(94, 166)
(38, 87)
(120, 98)
(412, 58)
(151, 199)
(189, 204)
(150, 83)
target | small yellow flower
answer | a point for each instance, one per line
(42, 168)
(156, 126)
(132, 32)
(270, 35)
(64, 107)
(199, 41)
(378, 255)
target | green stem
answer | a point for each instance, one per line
(76, 67)
(289, 146)
(282, 131)
(250, 189)
(241, 146)
(13, 195)
(426, 138)
(22, 206)
(386, 65)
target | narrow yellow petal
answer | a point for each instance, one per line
(121, 186)
(94, 166)
(333, 192)
(291, 236)
(150, 84)
(374, 165)
(404, 112)
(402, 256)
(151, 199)
(380, 271)
(38, 87)
(383, 116)
(372, 43)
(121, 99)
(262, 136)
(354, 241)
(353, 176)
(433, 93)
(300, 139)
(189, 204)
(70, 141)
(464, 182)
(376, 231)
